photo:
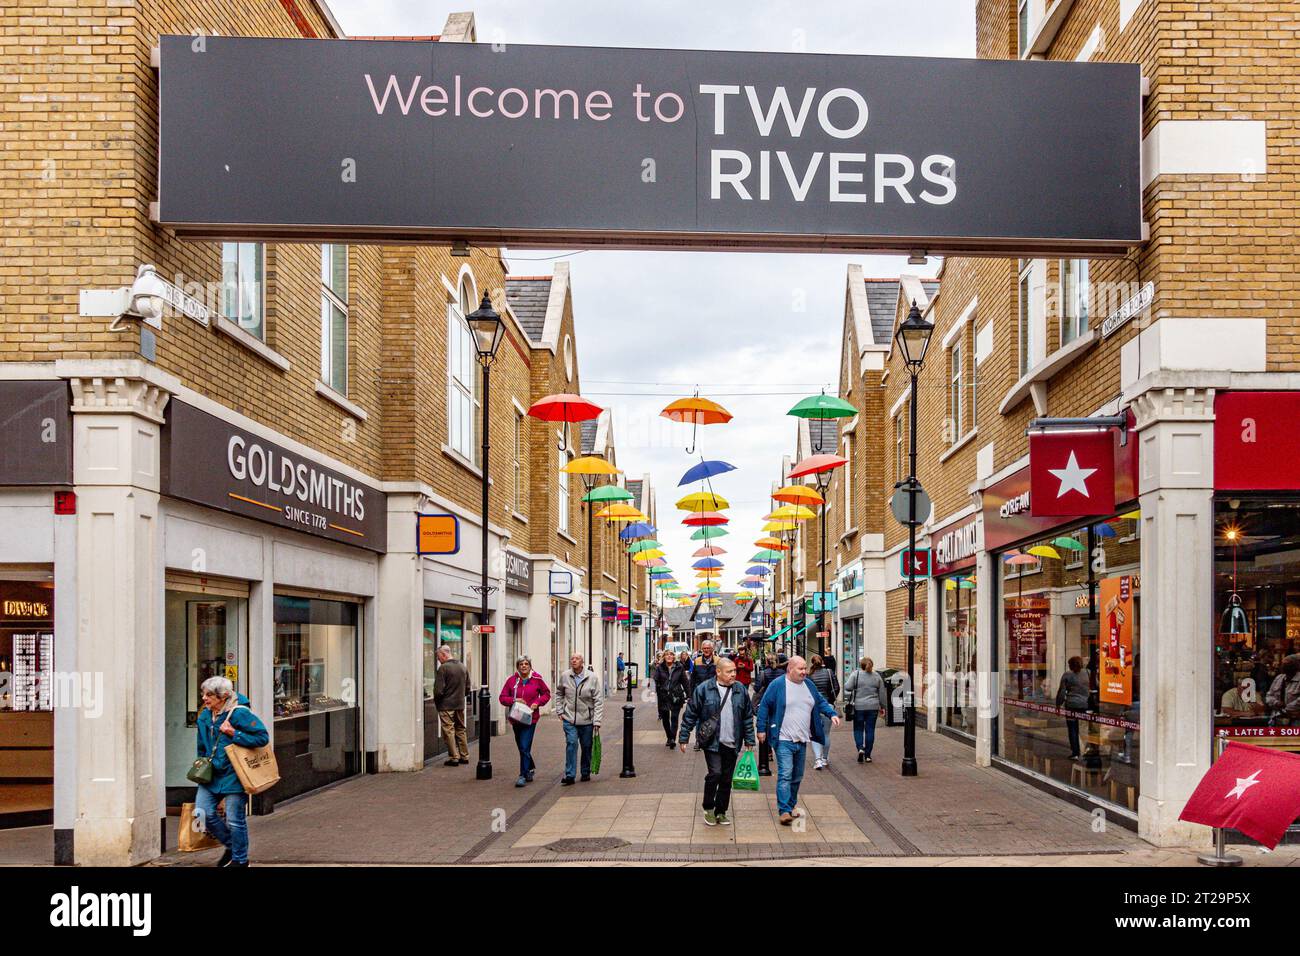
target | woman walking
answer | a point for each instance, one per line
(672, 685)
(865, 691)
(828, 685)
(225, 720)
(524, 695)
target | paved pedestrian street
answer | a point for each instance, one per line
(953, 812)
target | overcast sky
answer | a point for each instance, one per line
(755, 332)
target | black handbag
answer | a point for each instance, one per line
(848, 700)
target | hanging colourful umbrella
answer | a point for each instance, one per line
(709, 551)
(591, 465)
(768, 557)
(779, 526)
(618, 510)
(704, 518)
(638, 530)
(1131, 515)
(705, 470)
(564, 408)
(1044, 551)
(607, 493)
(798, 495)
(1068, 543)
(647, 555)
(759, 569)
(703, 501)
(707, 563)
(705, 533)
(791, 513)
(774, 544)
(696, 411)
(645, 544)
(1104, 531)
(815, 464)
(822, 406)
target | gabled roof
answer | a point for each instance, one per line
(528, 297)
(588, 437)
(882, 300)
(634, 488)
(823, 436)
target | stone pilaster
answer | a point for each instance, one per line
(1174, 662)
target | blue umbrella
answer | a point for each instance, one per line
(707, 563)
(759, 569)
(705, 469)
(637, 530)
(1103, 531)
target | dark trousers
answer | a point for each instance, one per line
(864, 729)
(1072, 728)
(524, 741)
(765, 756)
(671, 717)
(721, 765)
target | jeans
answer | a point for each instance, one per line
(232, 832)
(573, 736)
(721, 765)
(864, 729)
(671, 717)
(1072, 728)
(823, 751)
(524, 741)
(789, 773)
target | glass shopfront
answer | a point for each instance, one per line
(315, 681)
(851, 632)
(27, 699)
(206, 636)
(1070, 653)
(454, 628)
(957, 663)
(1257, 619)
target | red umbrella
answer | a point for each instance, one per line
(564, 408)
(817, 463)
(705, 518)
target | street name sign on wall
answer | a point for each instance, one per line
(401, 141)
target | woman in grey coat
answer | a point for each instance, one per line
(828, 685)
(1074, 694)
(865, 690)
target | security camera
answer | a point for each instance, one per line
(148, 295)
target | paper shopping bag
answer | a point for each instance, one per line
(192, 836)
(255, 767)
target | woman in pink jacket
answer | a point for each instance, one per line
(530, 691)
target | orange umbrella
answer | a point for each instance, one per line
(776, 544)
(697, 411)
(798, 495)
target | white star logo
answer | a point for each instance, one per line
(918, 564)
(1243, 784)
(1072, 477)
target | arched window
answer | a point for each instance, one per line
(463, 401)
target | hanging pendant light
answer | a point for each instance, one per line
(1233, 621)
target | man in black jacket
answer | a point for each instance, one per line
(725, 716)
(705, 669)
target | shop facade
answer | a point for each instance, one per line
(954, 547)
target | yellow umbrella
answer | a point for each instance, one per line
(798, 495)
(590, 465)
(1132, 515)
(703, 501)
(1044, 551)
(776, 544)
(791, 513)
(642, 556)
(620, 510)
(778, 526)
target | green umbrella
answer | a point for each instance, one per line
(608, 493)
(1068, 543)
(823, 406)
(767, 554)
(659, 572)
(645, 544)
(706, 533)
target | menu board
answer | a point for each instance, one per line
(1116, 598)
(1026, 644)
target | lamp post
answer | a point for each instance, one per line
(913, 338)
(488, 330)
(629, 623)
(823, 484)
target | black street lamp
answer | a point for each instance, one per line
(913, 338)
(488, 330)
(823, 485)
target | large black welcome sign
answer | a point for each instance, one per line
(404, 141)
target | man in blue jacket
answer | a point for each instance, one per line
(226, 719)
(790, 714)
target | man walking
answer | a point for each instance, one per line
(725, 718)
(450, 684)
(790, 714)
(581, 706)
(621, 667)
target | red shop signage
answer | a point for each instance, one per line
(1257, 441)
(953, 547)
(1008, 514)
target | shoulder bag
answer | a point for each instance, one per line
(201, 771)
(850, 699)
(520, 712)
(709, 727)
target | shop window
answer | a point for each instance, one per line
(1070, 694)
(334, 317)
(445, 627)
(1257, 619)
(957, 662)
(1074, 299)
(242, 300)
(27, 701)
(462, 386)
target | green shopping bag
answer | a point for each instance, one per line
(595, 754)
(746, 774)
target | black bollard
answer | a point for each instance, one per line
(629, 712)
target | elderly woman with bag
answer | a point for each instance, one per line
(224, 720)
(525, 694)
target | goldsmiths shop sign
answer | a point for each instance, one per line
(633, 148)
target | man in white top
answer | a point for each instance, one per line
(790, 713)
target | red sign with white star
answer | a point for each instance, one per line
(918, 560)
(1072, 473)
(1255, 790)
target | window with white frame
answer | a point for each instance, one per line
(899, 474)
(242, 301)
(956, 383)
(1026, 322)
(846, 481)
(1022, 27)
(462, 382)
(520, 451)
(334, 317)
(563, 523)
(1074, 299)
(974, 376)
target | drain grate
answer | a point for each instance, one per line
(588, 845)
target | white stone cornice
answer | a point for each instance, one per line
(118, 395)
(1173, 404)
